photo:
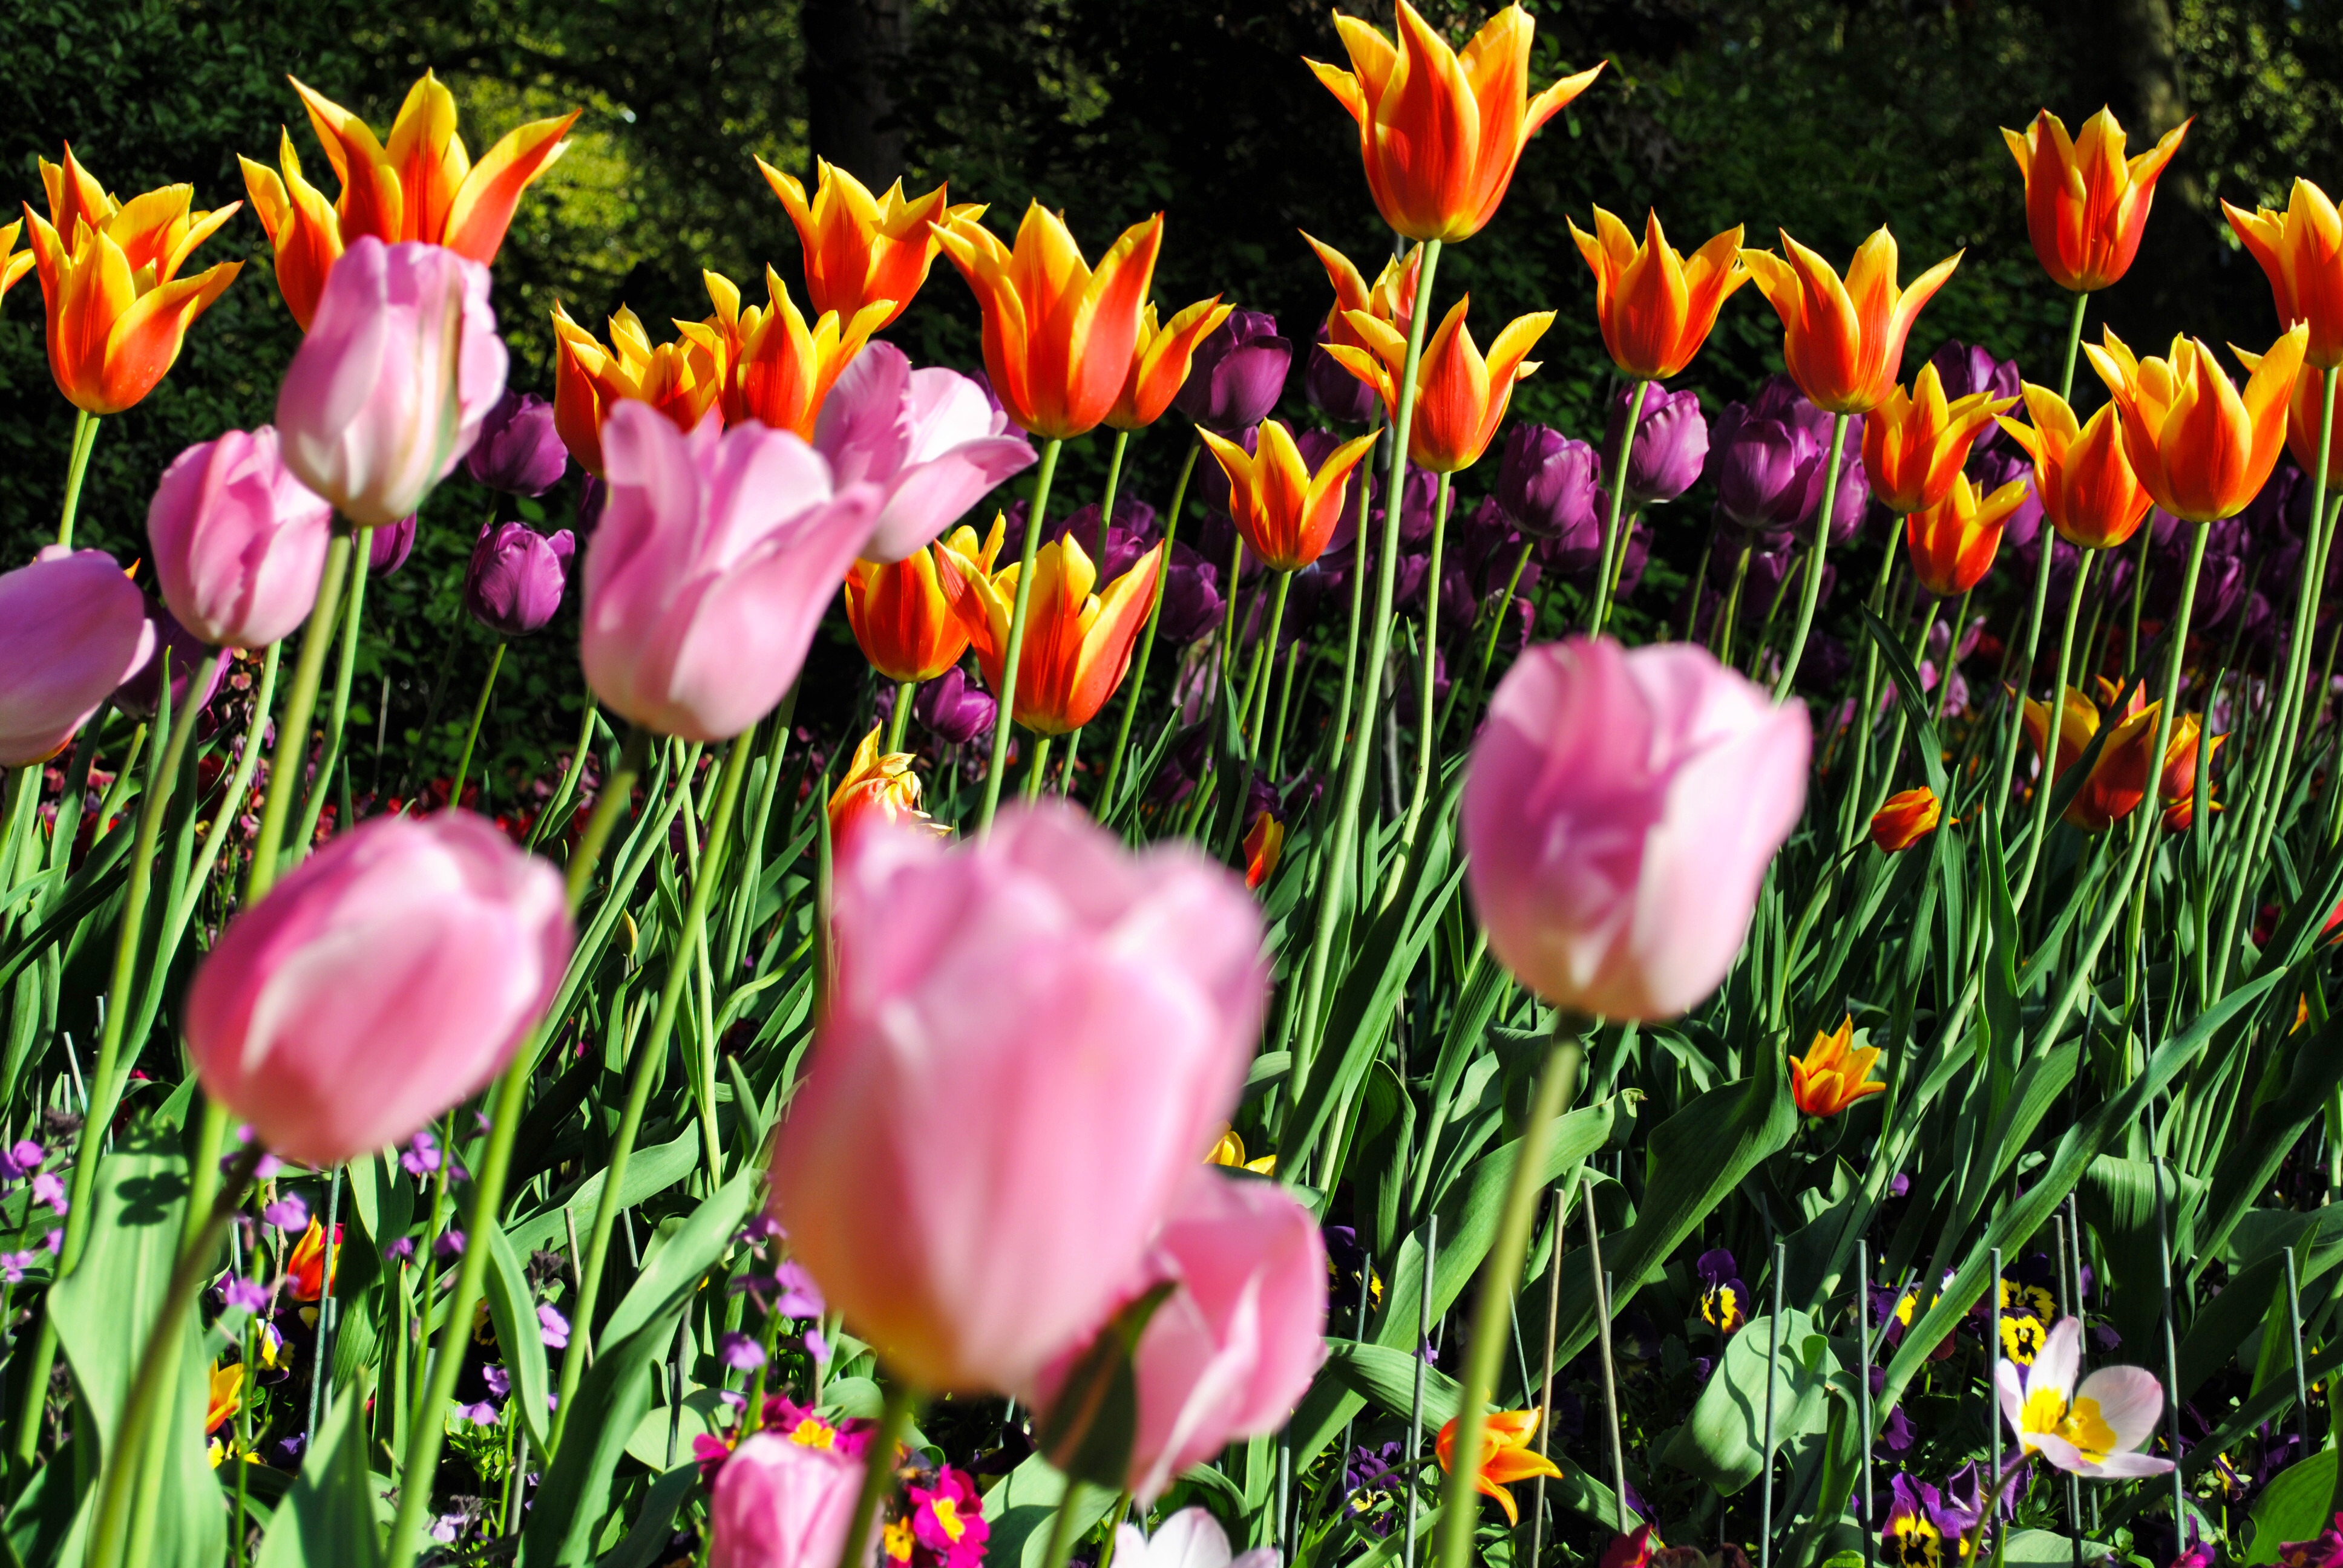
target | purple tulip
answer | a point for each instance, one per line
(954, 708)
(1238, 374)
(513, 583)
(1130, 536)
(191, 657)
(1998, 469)
(389, 546)
(1332, 390)
(1763, 460)
(593, 494)
(1852, 498)
(1211, 480)
(1548, 487)
(1969, 368)
(1418, 495)
(1670, 444)
(517, 451)
(1192, 602)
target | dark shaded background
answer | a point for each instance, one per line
(1827, 119)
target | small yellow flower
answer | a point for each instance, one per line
(2021, 1337)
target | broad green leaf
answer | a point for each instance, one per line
(648, 1443)
(1722, 1442)
(649, 1171)
(648, 1535)
(512, 1307)
(2293, 1507)
(327, 1518)
(107, 1309)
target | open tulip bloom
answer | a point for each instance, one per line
(2094, 1430)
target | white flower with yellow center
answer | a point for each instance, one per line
(2094, 1429)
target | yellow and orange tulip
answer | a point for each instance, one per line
(2301, 250)
(13, 262)
(2302, 414)
(1915, 443)
(1833, 1074)
(224, 1393)
(2078, 721)
(1059, 335)
(862, 250)
(420, 185)
(682, 379)
(1905, 818)
(1844, 340)
(314, 1263)
(902, 613)
(2085, 203)
(1161, 360)
(1440, 132)
(1656, 307)
(1285, 512)
(1506, 1455)
(1390, 299)
(877, 787)
(2201, 449)
(1460, 397)
(2178, 784)
(1953, 543)
(1077, 643)
(2089, 493)
(2118, 778)
(118, 311)
(777, 370)
(1265, 841)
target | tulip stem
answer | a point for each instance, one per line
(878, 1476)
(1426, 737)
(2008, 766)
(2049, 777)
(1489, 645)
(1358, 602)
(314, 801)
(1104, 803)
(1865, 719)
(1106, 506)
(567, 791)
(2073, 343)
(479, 712)
(292, 748)
(1557, 1085)
(1729, 612)
(1258, 720)
(2138, 601)
(1810, 592)
(1606, 576)
(1039, 768)
(1005, 698)
(899, 717)
(85, 437)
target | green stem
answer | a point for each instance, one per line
(1489, 645)
(878, 1469)
(314, 801)
(1851, 826)
(1811, 592)
(569, 777)
(292, 748)
(1062, 1531)
(479, 712)
(85, 437)
(1136, 680)
(899, 718)
(1285, 704)
(1005, 700)
(1040, 766)
(1425, 734)
(2138, 601)
(1358, 604)
(1106, 506)
(2074, 342)
(1258, 719)
(2049, 780)
(1729, 614)
(1606, 576)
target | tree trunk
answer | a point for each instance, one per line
(854, 52)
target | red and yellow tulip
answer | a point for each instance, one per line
(682, 380)
(1265, 841)
(1285, 512)
(1077, 643)
(862, 250)
(1160, 361)
(1953, 543)
(1915, 443)
(1905, 818)
(1833, 1074)
(1460, 397)
(1844, 340)
(2201, 449)
(313, 1263)
(2077, 722)
(224, 1393)
(2302, 414)
(902, 614)
(776, 369)
(1390, 300)
(877, 787)
(2301, 250)
(1506, 1455)
(2085, 203)
(2088, 490)
(13, 262)
(1440, 132)
(1657, 308)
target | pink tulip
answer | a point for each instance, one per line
(70, 629)
(388, 391)
(2096, 1429)
(782, 1504)
(1619, 811)
(716, 555)
(1032, 1042)
(238, 542)
(1229, 1353)
(383, 980)
(931, 438)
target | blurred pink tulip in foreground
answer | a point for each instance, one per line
(929, 438)
(72, 627)
(238, 542)
(782, 1504)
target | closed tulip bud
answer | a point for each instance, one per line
(1767, 460)
(1238, 374)
(1954, 542)
(2301, 250)
(1332, 390)
(513, 585)
(955, 709)
(716, 555)
(930, 439)
(1907, 817)
(238, 543)
(1670, 444)
(1231, 1350)
(1032, 1040)
(388, 390)
(876, 787)
(2177, 785)
(2086, 204)
(383, 980)
(1547, 486)
(1193, 602)
(389, 546)
(192, 661)
(782, 1504)
(1620, 809)
(72, 629)
(518, 451)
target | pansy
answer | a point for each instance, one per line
(2021, 1337)
(1722, 1292)
(2093, 1430)
(1925, 1529)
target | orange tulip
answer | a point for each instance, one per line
(2084, 203)
(1506, 1455)
(1913, 444)
(902, 614)
(224, 1393)
(777, 370)
(2302, 251)
(1285, 512)
(2178, 784)
(118, 310)
(2201, 450)
(2078, 721)
(876, 787)
(1077, 643)
(1160, 362)
(1953, 543)
(423, 185)
(1905, 818)
(313, 1265)
(1844, 342)
(1059, 335)
(1440, 133)
(13, 262)
(1657, 309)
(682, 380)
(2302, 413)
(1833, 1074)
(1265, 841)
(862, 250)
(1460, 398)
(1391, 299)
(2088, 490)
(2118, 781)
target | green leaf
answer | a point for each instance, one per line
(2249, 1162)
(1913, 699)
(327, 1519)
(1093, 1420)
(656, 1523)
(512, 1307)
(2293, 1507)
(107, 1309)
(1723, 1440)
(648, 1443)
(650, 1172)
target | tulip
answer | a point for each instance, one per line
(2078, 720)
(1239, 374)
(1439, 134)
(876, 787)
(194, 663)
(1844, 342)
(118, 310)
(422, 186)
(1620, 808)
(2118, 781)
(930, 439)
(383, 980)
(1332, 390)
(862, 250)
(1670, 444)
(1506, 1455)
(1077, 644)
(1767, 459)
(1162, 362)
(237, 542)
(1192, 600)
(390, 545)
(1285, 508)
(1966, 369)
(902, 614)
(1913, 444)
(13, 262)
(682, 380)
(2177, 784)
(72, 629)
(2302, 414)
(1230, 1351)
(390, 389)
(309, 1265)
(1460, 398)
(1059, 336)
(1656, 308)
(2084, 481)
(1190, 1538)
(1032, 1039)
(2301, 250)
(518, 451)
(224, 1395)
(2088, 1431)
(777, 370)
(1546, 485)
(2084, 203)
(955, 709)
(2198, 448)
(1264, 845)
(513, 585)
(1833, 1075)
(1953, 543)
(1391, 300)
(779, 1504)
(1905, 818)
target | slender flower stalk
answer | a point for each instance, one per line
(286, 760)
(313, 799)
(1810, 592)
(1006, 696)
(1105, 803)
(471, 735)
(2045, 786)
(1427, 736)
(1599, 610)
(85, 437)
